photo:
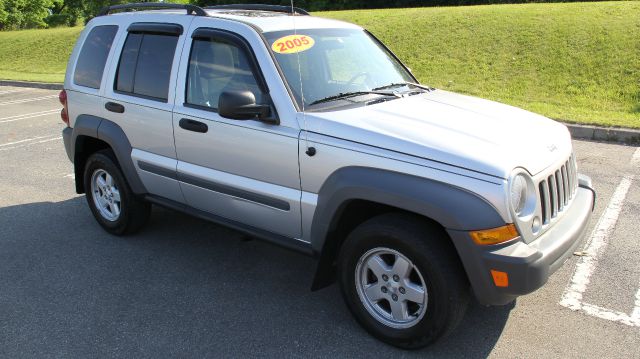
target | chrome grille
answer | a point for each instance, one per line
(556, 190)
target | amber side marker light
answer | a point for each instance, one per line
(500, 279)
(494, 235)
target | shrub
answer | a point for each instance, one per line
(57, 20)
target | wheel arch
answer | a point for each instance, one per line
(352, 195)
(92, 134)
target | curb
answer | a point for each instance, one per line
(604, 134)
(39, 85)
(584, 132)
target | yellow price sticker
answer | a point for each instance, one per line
(292, 44)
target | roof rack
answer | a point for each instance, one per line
(191, 9)
(261, 7)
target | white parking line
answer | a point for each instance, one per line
(27, 116)
(635, 159)
(11, 91)
(28, 142)
(25, 140)
(27, 100)
(612, 315)
(573, 294)
(635, 315)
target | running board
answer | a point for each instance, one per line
(279, 240)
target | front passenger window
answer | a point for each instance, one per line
(215, 67)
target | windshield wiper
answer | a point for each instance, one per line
(398, 84)
(344, 95)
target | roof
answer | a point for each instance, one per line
(267, 21)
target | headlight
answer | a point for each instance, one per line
(518, 193)
(523, 198)
(522, 194)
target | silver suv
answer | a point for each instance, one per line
(311, 134)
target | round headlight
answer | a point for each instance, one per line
(518, 193)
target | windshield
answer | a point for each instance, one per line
(333, 62)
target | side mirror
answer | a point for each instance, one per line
(241, 105)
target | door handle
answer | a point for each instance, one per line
(114, 107)
(193, 125)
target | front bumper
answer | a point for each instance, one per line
(527, 265)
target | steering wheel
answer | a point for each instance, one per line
(352, 81)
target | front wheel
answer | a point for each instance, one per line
(391, 288)
(402, 281)
(112, 202)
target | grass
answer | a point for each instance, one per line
(36, 55)
(576, 62)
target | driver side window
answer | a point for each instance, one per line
(341, 67)
(216, 66)
(344, 59)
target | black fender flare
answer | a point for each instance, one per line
(452, 207)
(112, 134)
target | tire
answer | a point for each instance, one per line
(110, 198)
(399, 315)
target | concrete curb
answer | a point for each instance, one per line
(39, 85)
(584, 132)
(626, 136)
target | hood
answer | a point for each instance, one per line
(463, 131)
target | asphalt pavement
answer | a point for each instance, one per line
(184, 287)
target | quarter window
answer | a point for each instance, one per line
(145, 65)
(216, 66)
(93, 56)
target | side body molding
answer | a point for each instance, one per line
(452, 207)
(88, 126)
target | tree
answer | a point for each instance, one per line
(3, 15)
(68, 10)
(94, 7)
(24, 14)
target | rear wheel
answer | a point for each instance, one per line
(112, 202)
(402, 280)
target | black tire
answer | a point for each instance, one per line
(426, 246)
(134, 212)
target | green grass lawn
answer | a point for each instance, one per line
(36, 55)
(576, 62)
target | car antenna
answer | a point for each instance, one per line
(310, 151)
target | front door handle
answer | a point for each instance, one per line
(114, 107)
(193, 125)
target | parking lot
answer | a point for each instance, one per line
(189, 288)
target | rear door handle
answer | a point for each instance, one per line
(193, 125)
(114, 107)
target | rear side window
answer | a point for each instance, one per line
(145, 65)
(93, 56)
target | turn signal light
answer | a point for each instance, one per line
(500, 279)
(494, 235)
